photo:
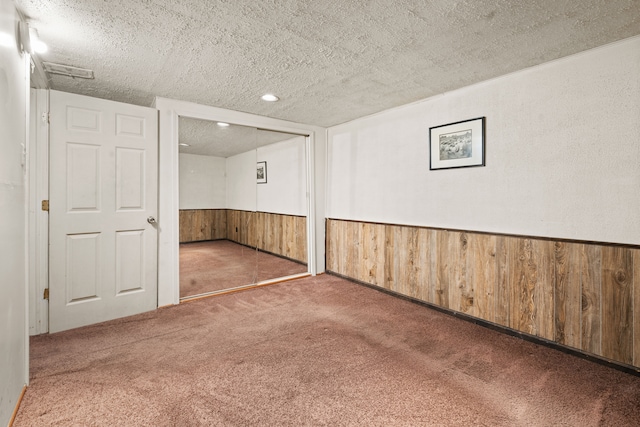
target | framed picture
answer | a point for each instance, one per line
(457, 145)
(261, 174)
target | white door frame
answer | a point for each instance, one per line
(168, 184)
(38, 225)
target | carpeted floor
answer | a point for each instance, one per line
(222, 264)
(314, 351)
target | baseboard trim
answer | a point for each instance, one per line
(18, 403)
(244, 288)
(629, 369)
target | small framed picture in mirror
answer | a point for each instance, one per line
(262, 173)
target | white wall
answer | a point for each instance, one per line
(14, 88)
(241, 181)
(562, 155)
(203, 182)
(286, 187)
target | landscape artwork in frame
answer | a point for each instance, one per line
(457, 145)
(261, 173)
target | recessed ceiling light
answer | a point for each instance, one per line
(182, 144)
(270, 97)
(223, 124)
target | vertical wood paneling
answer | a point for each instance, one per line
(590, 268)
(567, 293)
(260, 234)
(531, 278)
(389, 261)
(301, 239)
(237, 226)
(585, 296)
(267, 231)
(373, 249)
(247, 232)
(432, 274)
(636, 307)
(332, 244)
(288, 236)
(469, 302)
(482, 274)
(617, 300)
(353, 252)
(423, 263)
(403, 263)
(407, 261)
(545, 307)
(444, 268)
(521, 285)
(284, 235)
(393, 237)
(502, 307)
(455, 254)
(202, 224)
(276, 229)
(457, 257)
(334, 232)
(185, 220)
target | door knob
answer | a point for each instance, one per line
(151, 220)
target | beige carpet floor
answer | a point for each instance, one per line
(317, 351)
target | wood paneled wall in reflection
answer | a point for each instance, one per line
(284, 235)
(582, 295)
(202, 224)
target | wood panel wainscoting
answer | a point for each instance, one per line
(202, 224)
(580, 295)
(284, 235)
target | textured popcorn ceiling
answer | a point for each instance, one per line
(206, 138)
(330, 61)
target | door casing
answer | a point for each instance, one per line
(168, 239)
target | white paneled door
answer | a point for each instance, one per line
(103, 200)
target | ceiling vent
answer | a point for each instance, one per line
(67, 70)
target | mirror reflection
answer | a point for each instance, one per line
(242, 206)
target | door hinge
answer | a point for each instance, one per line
(46, 294)
(45, 205)
(46, 118)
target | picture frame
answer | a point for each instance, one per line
(261, 173)
(457, 145)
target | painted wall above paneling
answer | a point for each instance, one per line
(208, 182)
(203, 182)
(561, 155)
(286, 186)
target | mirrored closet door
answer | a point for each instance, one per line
(242, 206)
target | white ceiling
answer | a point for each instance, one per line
(206, 138)
(330, 61)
